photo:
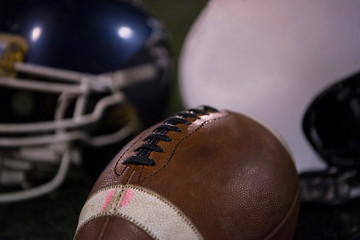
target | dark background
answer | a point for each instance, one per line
(55, 215)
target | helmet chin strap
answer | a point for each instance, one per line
(42, 189)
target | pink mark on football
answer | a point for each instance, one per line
(108, 199)
(128, 195)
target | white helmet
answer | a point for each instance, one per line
(290, 64)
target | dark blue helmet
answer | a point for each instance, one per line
(76, 78)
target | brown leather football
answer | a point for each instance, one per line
(202, 174)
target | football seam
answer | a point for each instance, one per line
(173, 151)
(127, 150)
(160, 134)
(182, 140)
(104, 227)
(287, 216)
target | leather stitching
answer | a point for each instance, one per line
(182, 140)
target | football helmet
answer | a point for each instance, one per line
(76, 79)
(293, 65)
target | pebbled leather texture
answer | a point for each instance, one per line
(231, 177)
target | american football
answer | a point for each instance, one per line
(201, 174)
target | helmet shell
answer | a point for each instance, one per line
(270, 60)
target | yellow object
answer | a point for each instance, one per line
(12, 50)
